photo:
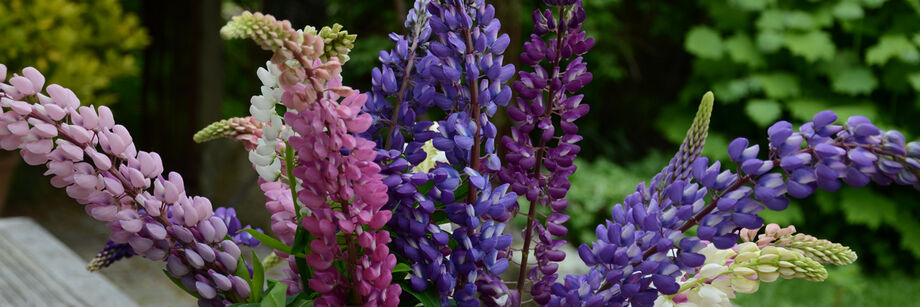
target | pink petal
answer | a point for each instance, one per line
(37, 79)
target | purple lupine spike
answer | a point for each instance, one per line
(96, 162)
(544, 98)
(467, 63)
(855, 154)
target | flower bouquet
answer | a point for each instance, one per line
(401, 196)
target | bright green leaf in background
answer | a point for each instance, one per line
(779, 85)
(914, 80)
(891, 46)
(813, 46)
(847, 10)
(742, 50)
(763, 111)
(704, 42)
(770, 41)
(854, 81)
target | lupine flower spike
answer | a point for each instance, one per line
(544, 98)
(96, 162)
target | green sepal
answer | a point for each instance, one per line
(179, 284)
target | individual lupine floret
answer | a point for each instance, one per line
(546, 97)
(246, 130)
(96, 162)
(821, 250)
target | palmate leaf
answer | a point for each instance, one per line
(690, 149)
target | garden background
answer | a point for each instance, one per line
(166, 73)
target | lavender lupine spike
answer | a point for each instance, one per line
(466, 50)
(96, 162)
(546, 97)
(632, 248)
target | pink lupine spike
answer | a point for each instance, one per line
(96, 162)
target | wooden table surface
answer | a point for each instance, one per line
(36, 269)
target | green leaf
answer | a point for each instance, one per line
(792, 215)
(704, 42)
(401, 267)
(771, 20)
(847, 10)
(914, 80)
(813, 45)
(804, 109)
(854, 81)
(891, 46)
(763, 111)
(752, 5)
(742, 50)
(716, 147)
(179, 284)
(269, 241)
(299, 300)
(799, 20)
(427, 298)
(778, 85)
(770, 41)
(733, 90)
(258, 279)
(275, 295)
(867, 208)
(241, 269)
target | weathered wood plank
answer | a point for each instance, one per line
(36, 269)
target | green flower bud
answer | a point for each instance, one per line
(336, 42)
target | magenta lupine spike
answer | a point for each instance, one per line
(342, 187)
(540, 171)
(95, 161)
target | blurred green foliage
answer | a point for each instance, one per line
(83, 45)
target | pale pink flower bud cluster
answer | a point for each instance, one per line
(342, 187)
(96, 162)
